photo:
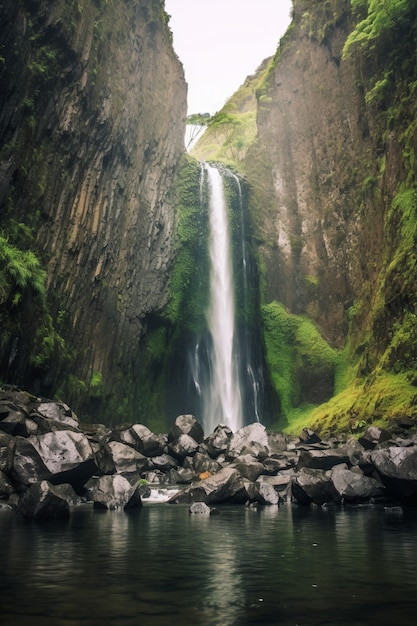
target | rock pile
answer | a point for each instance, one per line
(50, 461)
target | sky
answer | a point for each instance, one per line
(221, 42)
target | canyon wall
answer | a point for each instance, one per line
(92, 121)
(334, 187)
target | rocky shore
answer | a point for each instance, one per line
(50, 462)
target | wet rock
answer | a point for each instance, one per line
(186, 425)
(248, 467)
(353, 487)
(322, 459)
(397, 467)
(277, 442)
(164, 462)
(263, 493)
(182, 446)
(309, 436)
(58, 412)
(42, 502)
(127, 459)
(67, 455)
(218, 442)
(147, 443)
(115, 492)
(314, 485)
(27, 465)
(14, 423)
(182, 476)
(67, 492)
(225, 486)
(200, 508)
(203, 463)
(374, 436)
(252, 440)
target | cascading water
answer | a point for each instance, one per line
(226, 361)
(224, 403)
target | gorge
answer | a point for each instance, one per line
(101, 227)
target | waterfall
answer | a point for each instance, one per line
(224, 401)
(226, 362)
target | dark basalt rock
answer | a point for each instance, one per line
(42, 502)
(314, 485)
(105, 466)
(184, 445)
(354, 487)
(115, 492)
(251, 440)
(218, 441)
(186, 425)
(397, 467)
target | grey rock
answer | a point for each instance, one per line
(42, 502)
(186, 425)
(252, 440)
(115, 492)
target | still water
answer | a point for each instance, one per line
(160, 566)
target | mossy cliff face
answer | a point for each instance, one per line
(334, 187)
(333, 203)
(92, 118)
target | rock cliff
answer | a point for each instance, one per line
(333, 204)
(92, 120)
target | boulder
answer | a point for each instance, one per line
(58, 412)
(67, 492)
(277, 442)
(115, 492)
(353, 487)
(262, 493)
(322, 459)
(181, 475)
(309, 436)
(374, 436)
(147, 443)
(164, 462)
(397, 467)
(27, 466)
(67, 455)
(42, 502)
(200, 508)
(203, 463)
(182, 446)
(218, 442)
(314, 485)
(225, 486)
(14, 422)
(252, 440)
(248, 467)
(186, 425)
(127, 459)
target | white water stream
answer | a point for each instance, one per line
(224, 404)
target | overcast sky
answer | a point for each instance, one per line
(221, 42)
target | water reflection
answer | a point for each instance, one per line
(161, 566)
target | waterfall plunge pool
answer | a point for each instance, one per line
(159, 566)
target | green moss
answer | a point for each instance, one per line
(96, 384)
(189, 280)
(297, 357)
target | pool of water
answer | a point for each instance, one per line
(160, 566)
